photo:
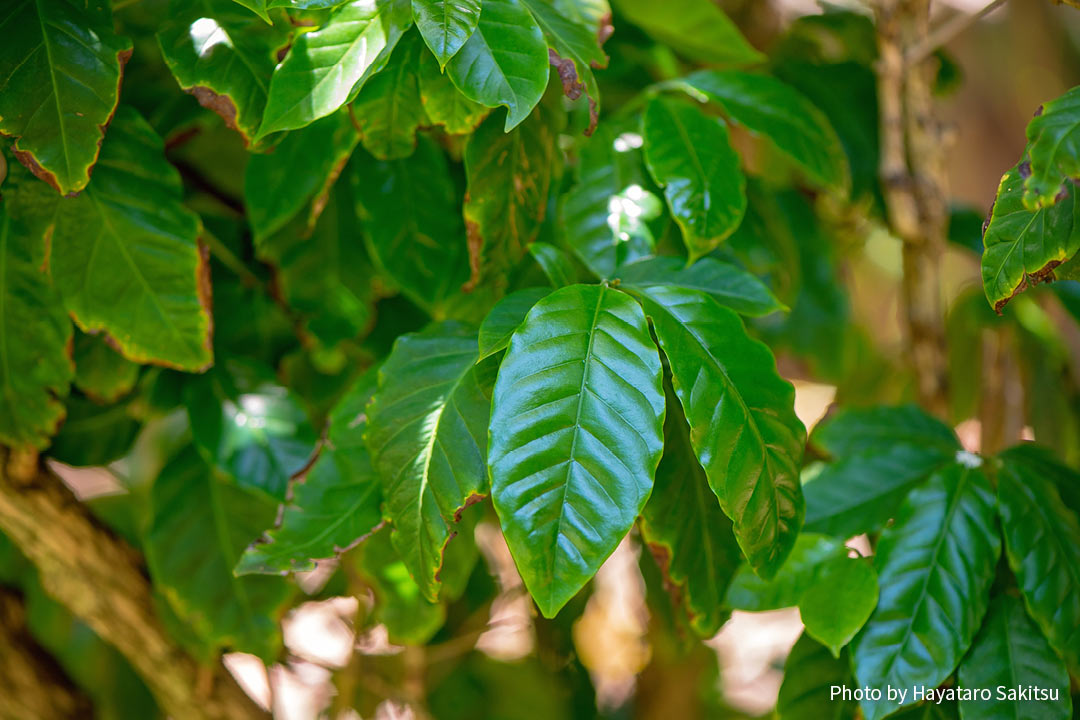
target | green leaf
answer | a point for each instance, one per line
(935, 567)
(409, 617)
(389, 110)
(201, 524)
(101, 372)
(555, 263)
(1011, 653)
(125, 255)
(413, 225)
(503, 319)
(1054, 149)
(509, 176)
(698, 29)
(801, 569)
(224, 57)
(742, 419)
(446, 24)
(839, 602)
(687, 531)
(303, 167)
(1042, 543)
(1022, 246)
(576, 428)
(574, 50)
(851, 431)
(260, 7)
(326, 68)
(35, 368)
(781, 113)
(609, 169)
(504, 62)
(335, 505)
(60, 70)
(690, 154)
(428, 437)
(810, 674)
(94, 434)
(730, 285)
(443, 102)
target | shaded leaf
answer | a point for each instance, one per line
(575, 436)
(443, 102)
(504, 62)
(555, 263)
(60, 70)
(810, 674)
(446, 24)
(93, 434)
(503, 319)
(876, 429)
(730, 285)
(101, 372)
(690, 154)
(400, 605)
(742, 419)
(1054, 149)
(698, 29)
(389, 110)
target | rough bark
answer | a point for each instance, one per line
(100, 579)
(32, 685)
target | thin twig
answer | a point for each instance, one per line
(948, 30)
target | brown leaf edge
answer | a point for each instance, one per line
(573, 87)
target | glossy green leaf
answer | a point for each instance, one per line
(224, 57)
(575, 436)
(698, 29)
(443, 102)
(101, 372)
(413, 224)
(850, 431)
(509, 176)
(125, 255)
(446, 24)
(729, 284)
(1054, 149)
(201, 525)
(428, 437)
(325, 69)
(503, 319)
(303, 167)
(504, 62)
(1011, 653)
(388, 112)
(35, 368)
(60, 70)
(839, 602)
(772, 108)
(799, 572)
(262, 7)
(1042, 543)
(335, 505)
(690, 154)
(555, 263)
(687, 531)
(408, 615)
(935, 567)
(742, 419)
(610, 168)
(1022, 246)
(810, 674)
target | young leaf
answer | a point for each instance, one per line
(414, 230)
(1023, 246)
(810, 674)
(504, 62)
(839, 602)
(935, 566)
(201, 524)
(409, 617)
(576, 427)
(35, 368)
(690, 154)
(742, 419)
(389, 110)
(337, 502)
(1011, 652)
(125, 255)
(326, 68)
(427, 432)
(446, 24)
(698, 29)
(1054, 149)
(60, 70)
(503, 319)
(778, 111)
(443, 102)
(224, 57)
(730, 285)
(687, 531)
(800, 571)
(1042, 543)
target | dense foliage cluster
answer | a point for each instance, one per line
(321, 279)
